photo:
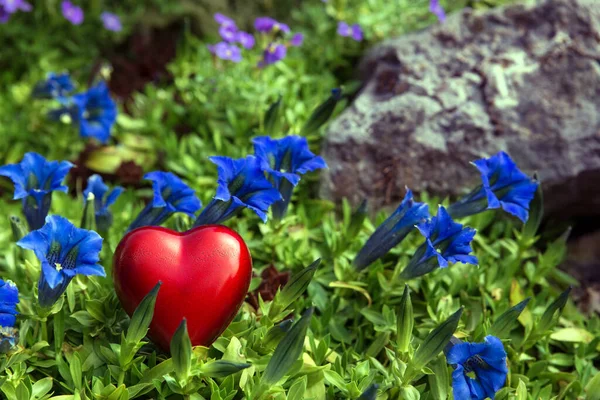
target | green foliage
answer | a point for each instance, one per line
(363, 335)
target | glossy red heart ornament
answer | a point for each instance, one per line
(205, 274)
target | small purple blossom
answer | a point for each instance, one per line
(12, 6)
(354, 31)
(228, 32)
(9, 7)
(297, 40)
(223, 19)
(226, 51)
(72, 13)
(268, 24)
(273, 53)
(245, 39)
(436, 9)
(111, 21)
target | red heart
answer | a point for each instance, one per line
(205, 274)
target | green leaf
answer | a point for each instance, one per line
(357, 220)
(273, 116)
(142, 316)
(521, 391)
(41, 387)
(575, 335)
(335, 379)
(547, 320)
(409, 393)
(288, 350)
(222, 368)
(88, 220)
(504, 323)
(297, 389)
(405, 321)
(593, 388)
(439, 381)
(435, 342)
(536, 212)
(18, 228)
(75, 369)
(297, 285)
(181, 352)
(322, 113)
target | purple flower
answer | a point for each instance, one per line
(228, 32)
(245, 39)
(12, 6)
(72, 13)
(223, 19)
(273, 53)
(297, 40)
(226, 51)
(9, 7)
(436, 9)
(268, 24)
(354, 31)
(111, 21)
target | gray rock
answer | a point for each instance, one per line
(523, 79)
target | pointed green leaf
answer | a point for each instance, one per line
(547, 320)
(435, 342)
(593, 388)
(75, 369)
(142, 316)
(272, 117)
(297, 389)
(536, 212)
(296, 286)
(405, 321)
(222, 368)
(439, 381)
(181, 352)
(356, 220)
(322, 113)
(505, 322)
(288, 350)
(18, 228)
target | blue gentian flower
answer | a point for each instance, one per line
(35, 179)
(241, 183)
(55, 86)
(64, 251)
(9, 297)
(102, 200)
(284, 160)
(479, 368)
(392, 231)
(171, 195)
(95, 112)
(504, 186)
(446, 242)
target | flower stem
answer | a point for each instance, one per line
(44, 322)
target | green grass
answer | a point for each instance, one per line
(352, 340)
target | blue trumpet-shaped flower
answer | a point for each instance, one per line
(35, 179)
(102, 200)
(241, 183)
(446, 242)
(479, 368)
(171, 195)
(504, 186)
(9, 297)
(284, 160)
(392, 231)
(64, 251)
(55, 86)
(95, 112)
